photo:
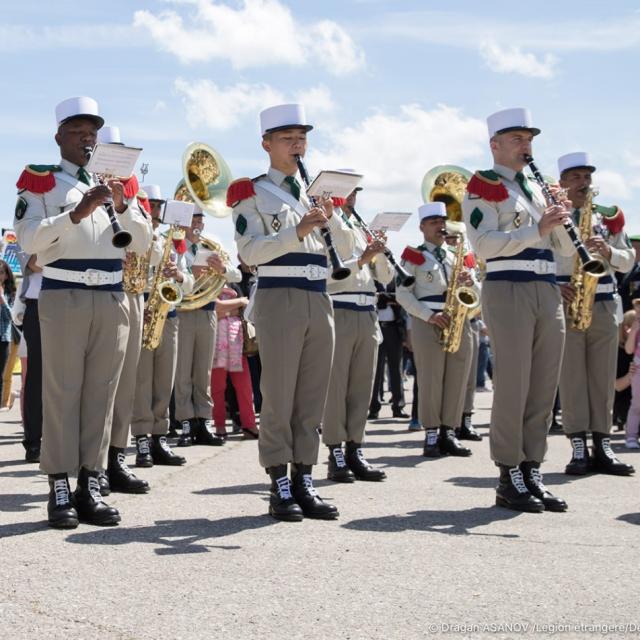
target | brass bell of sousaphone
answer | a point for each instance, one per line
(447, 183)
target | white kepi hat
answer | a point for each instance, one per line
(575, 160)
(510, 120)
(81, 107)
(283, 116)
(153, 191)
(109, 135)
(432, 210)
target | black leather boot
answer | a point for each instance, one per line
(449, 444)
(512, 492)
(312, 505)
(580, 462)
(338, 470)
(121, 478)
(143, 452)
(533, 481)
(431, 448)
(188, 431)
(163, 454)
(103, 483)
(466, 430)
(605, 460)
(282, 506)
(60, 511)
(362, 470)
(89, 503)
(205, 434)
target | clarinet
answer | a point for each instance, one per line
(404, 278)
(595, 266)
(339, 272)
(121, 237)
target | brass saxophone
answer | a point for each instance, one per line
(459, 302)
(162, 296)
(136, 272)
(580, 311)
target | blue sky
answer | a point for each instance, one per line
(392, 87)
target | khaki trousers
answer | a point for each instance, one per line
(196, 342)
(526, 328)
(154, 382)
(472, 380)
(588, 372)
(123, 405)
(442, 377)
(84, 339)
(295, 334)
(352, 373)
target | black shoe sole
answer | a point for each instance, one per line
(322, 516)
(144, 465)
(286, 517)
(457, 454)
(341, 479)
(166, 463)
(107, 522)
(371, 479)
(557, 508)
(505, 504)
(68, 523)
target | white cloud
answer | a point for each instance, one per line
(394, 151)
(513, 60)
(317, 100)
(612, 186)
(258, 33)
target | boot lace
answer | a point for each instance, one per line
(338, 455)
(432, 437)
(162, 441)
(466, 421)
(536, 477)
(308, 484)
(605, 445)
(61, 490)
(284, 488)
(121, 460)
(578, 448)
(94, 489)
(143, 446)
(186, 427)
(517, 480)
(208, 426)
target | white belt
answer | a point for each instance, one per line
(310, 272)
(361, 299)
(608, 287)
(90, 277)
(540, 267)
(435, 306)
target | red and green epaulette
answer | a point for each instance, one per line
(413, 256)
(38, 178)
(240, 190)
(488, 186)
(131, 186)
(612, 218)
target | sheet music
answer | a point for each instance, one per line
(389, 221)
(113, 160)
(178, 212)
(337, 184)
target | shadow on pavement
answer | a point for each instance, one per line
(402, 461)
(175, 537)
(15, 502)
(22, 528)
(455, 523)
(631, 518)
(22, 473)
(261, 489)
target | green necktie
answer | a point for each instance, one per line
(521, 179)
(194, 248)
(83, 176)
(440, 254)
(294, 185)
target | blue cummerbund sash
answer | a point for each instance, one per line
(435, 302)
(604, 291)
(536, 265)
(295, 260)
(107, 264)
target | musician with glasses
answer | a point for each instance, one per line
(83, 310)
(590, 353)
(515, 232)
(277, 230)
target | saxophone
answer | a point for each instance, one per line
(580, 311)
(459, 302)
(135, 272)
(162, 296)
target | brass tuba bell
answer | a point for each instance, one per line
(447, 183)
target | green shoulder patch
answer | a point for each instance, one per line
(21, 208)
(44, 168)
(491, 175)
(476, 218)
(241, 224)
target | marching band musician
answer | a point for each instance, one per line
(83, 311)
(196, 343)
(276, 230)
(118, 476)
(512, 229)
(590, 356)
(157, 367)
(441, 375)
(357, 335)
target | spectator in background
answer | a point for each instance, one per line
(624, 373)
(7, 298)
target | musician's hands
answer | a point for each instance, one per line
(92, 199)
(117, 193)
(215, 263)
(372, 250)
(171, 271)
(315, 217)
(440, 320)
(553, 216)
(598, 245)
(568, 293)
(465, 279)
(327, 205)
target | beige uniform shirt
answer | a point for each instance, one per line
(501, 229)
(266, 226)
(46, 227)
